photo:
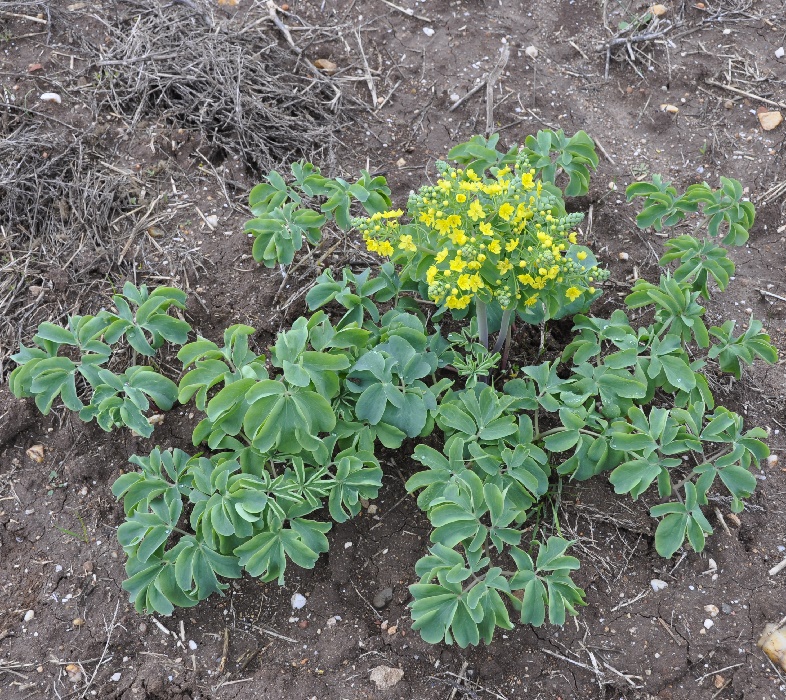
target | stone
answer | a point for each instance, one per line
(36, 453)
(386, 677)
(769, 120)
(325, 66)
(382, 598)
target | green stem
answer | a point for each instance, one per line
(504, 330)
(561, 429)
(426, 250)
(483, 323)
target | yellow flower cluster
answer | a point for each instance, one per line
(503, 238)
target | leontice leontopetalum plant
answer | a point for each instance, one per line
(289, 442)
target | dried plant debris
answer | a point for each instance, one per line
(69, 220)
(245, 90)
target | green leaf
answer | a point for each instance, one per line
(670, 534)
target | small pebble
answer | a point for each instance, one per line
(623, 256)
(78, 621)
(142, 628)
(303, 624)
(708, 623)
(727, 609)
(29, 615)
(658, 585)
(382, 598)
(712, 610)
(115, 677)
(428, 31)
(88, 567)
(780, 52)
(192, 645)
(298, 601)
(51, 97)
(532, 52)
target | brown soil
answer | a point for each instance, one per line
(58, 553)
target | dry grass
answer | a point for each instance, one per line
(74, 221)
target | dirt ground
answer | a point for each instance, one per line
(165, 203)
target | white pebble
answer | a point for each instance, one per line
(192, 645)
(50, 97)
(772, 460)
(708, 623)
(115, 677)
(658, 585)
(29, 615)
(780, 53)
(532, 52)
(298, 601)
(347, 545)
(428, 31)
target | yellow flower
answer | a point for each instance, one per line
(458, 302)
(573, 293)
(384, 248)
(581, 256)
(458, 237)
(504, 266)
(495, 247)
(431, 274)
(442, 225)
(470, 283)
(476, 211)
(427, 218)
(454, 221)
(486, 229)
(392, 214)
(406, 243)
(457, 263)
(531, 301)
(506, 211)
(441, 255)
(572, 237)
(372, 245)
(526, 279)
(591, 290)
(461, 198)
(526, 181)
(471, 175)
(502, 172)
(511, 245)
